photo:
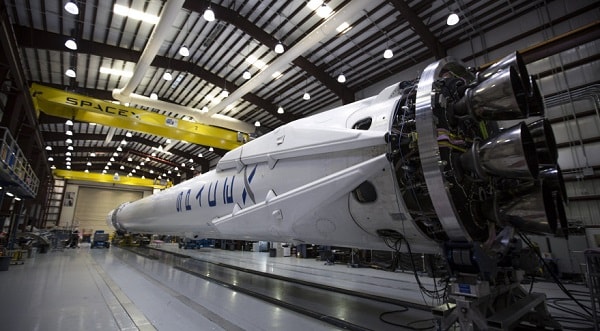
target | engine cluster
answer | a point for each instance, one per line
(463, 177)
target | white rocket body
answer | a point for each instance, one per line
(293, 184)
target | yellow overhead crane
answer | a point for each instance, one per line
(112, 179)
(74, 106)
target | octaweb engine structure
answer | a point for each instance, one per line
(422, 167)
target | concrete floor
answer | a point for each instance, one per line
(83, 289)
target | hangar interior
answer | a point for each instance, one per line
(106, 102)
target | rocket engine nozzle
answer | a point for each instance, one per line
(534, 212)
(510, 154)
(500, 97)
(545, 143)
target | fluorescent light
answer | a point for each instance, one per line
(135, 14)
(343, 28)
(70, 73)
(277, 75)
(253, 60)
(111, 71)
(209, 15)
(184, 51)
(71, 8)
(452, 19)
(279, 49)
(71, 44)
(388, 54)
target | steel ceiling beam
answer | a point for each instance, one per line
(429, 39)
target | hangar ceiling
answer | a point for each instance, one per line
(241, 39)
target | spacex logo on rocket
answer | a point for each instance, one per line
(210, 196)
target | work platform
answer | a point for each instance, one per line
(115, 289)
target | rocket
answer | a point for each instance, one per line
(426, 161)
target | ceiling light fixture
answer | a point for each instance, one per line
(67, 158)
(112, 159)
(68, 163)
(68, 141)
(200, 155)
(452, 19)
(246, 75)
(70, 73)
(324, 10)
(280, 110)
(69, 122)
(209, 15)
(257, 124)
(167, 76)
(48, 148)
(72, 8)
(153, 96)
(50, 159)
(104, 171)
(108, 163)
(128, 134)
(184, 51)
(123, 142)
(71, 44)
(129, 159)
(119, 149)
(92, 154)
(341, 78)
(68, 153)
(388, 54)
(279, 49)
(86, 171)
(210, 149)
(306, 96)
(69, 167)
(70, 148)
(53, 167)
(89, 164)
(122, 167)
